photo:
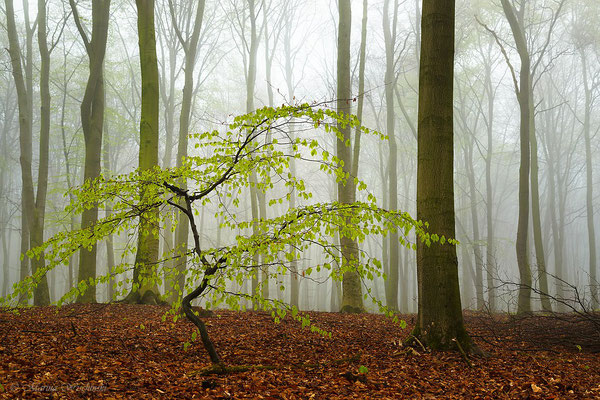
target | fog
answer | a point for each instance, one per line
(296, 63)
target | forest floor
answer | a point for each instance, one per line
(127, 352)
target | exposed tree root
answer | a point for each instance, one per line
(348, 309)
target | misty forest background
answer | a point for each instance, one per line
(242, 55)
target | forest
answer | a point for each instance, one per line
(299, 199)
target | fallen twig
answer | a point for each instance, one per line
(462, 352)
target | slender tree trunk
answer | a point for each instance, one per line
(475, 223)
(352, 300)
(390, 82)
(5, 261)
(489, 254)
(589, 194)
(41, 294)
(524, 301)
(168, 98)
(556, 197)
(535, 210)
(68, 171)
(32, 216)
(250, 85)
(289, 79)
(92, 121)
(110, 250)
(361, 89)
(190, 47)
(25, 134)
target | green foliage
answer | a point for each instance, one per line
(215, 175)
(363, 370)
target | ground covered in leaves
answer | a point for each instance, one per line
(127, 352)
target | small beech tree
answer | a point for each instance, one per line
(220, 167)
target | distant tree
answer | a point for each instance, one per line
(389, 37)
(244, 22)
(583, 35)
(290, 14)
(529, 158)
(7, 211)
(33, 205)
(189, 43)
(439, 322)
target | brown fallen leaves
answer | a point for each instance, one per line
(123, 351)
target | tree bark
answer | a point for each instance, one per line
(440, 320)
(190, 47)
(524, 301)
(147, 246)
(92, 121)
(351, 285)
(32, 210)
(289, 79)
(110, 250)
(390, 82)
(475, 223)
(589, 194)
(489, 253)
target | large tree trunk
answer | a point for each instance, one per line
(440, 320)
(92, 121)
(144, 291)
(351, 285)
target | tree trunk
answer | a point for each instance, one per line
(110, 250)
(589, 194)
(146, 257)
(168, 93)
(440, 320)
(68, 171)
(475, 223)
(32, 211)
(489, 253)
(524, 302)
(92, 121)
(390, 82)
(288, 71)
(352, 300)
(190, 47)
(41, 294)
(535, 210)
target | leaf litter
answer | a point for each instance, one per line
(120, 351)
